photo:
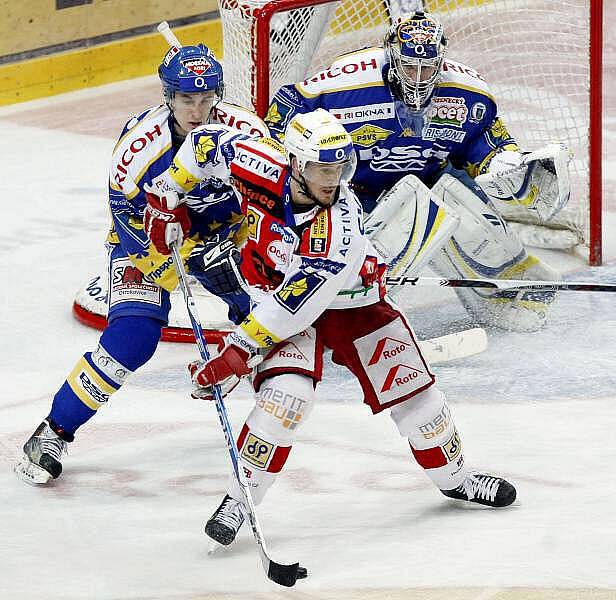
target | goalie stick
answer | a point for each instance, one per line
(505, 284)
(285, 575)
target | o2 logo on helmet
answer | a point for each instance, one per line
(257, 451)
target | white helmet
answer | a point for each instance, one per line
(318, 137)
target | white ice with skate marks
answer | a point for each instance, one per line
(126, 518)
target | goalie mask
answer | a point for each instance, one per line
(415, 47)
(324, 155)
(188, 71)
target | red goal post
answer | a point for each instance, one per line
(542, 59)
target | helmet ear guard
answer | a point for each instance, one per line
(418, 42)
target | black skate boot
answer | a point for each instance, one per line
(226, 521)
(483, 489)
(42, 453)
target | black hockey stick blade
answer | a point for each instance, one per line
(286, 575)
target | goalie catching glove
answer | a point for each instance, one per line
(165, 219)
(531, 187)
(236, 360)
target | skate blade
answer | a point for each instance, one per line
(31, 473)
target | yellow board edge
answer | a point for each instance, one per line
(105, 63)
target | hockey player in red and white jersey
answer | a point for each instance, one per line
(319, 285)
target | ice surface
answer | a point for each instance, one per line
(126, 519)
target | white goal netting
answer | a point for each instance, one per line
(533, 53)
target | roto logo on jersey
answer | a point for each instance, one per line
(291, 351)
(254, 164)
(448, 111)
(387, 348)
(400, 375)
(136, 146)
(384, 110)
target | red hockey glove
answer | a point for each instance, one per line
(164, 221)
(225, 370)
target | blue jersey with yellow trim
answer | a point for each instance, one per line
(143, 153)
(460, 125)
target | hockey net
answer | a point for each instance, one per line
(542, 59)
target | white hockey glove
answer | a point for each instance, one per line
(535, 183)
(165, 219)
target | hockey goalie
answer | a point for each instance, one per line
(439, 175)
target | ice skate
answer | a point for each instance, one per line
(483, 489)
(41, 459)
(226, 521)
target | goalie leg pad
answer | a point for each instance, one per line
(484, 247)
(409, 225)
(283, 404)
(427, 422)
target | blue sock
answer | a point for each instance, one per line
(126, 344)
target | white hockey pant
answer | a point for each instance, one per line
(427, 422)
(283, 404)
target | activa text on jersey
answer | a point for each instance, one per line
(253, 163)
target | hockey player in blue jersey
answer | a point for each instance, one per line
(427, 133)
(141, 275)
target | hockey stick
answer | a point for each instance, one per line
(454, 346)
(285, 575)
(504, 284)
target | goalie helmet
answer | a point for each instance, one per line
(190, 69)
(415, 47)
(316, 140)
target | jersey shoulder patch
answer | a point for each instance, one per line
(144, 141)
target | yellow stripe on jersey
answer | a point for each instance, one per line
(182, 176)
(262, 336)
(89, 386)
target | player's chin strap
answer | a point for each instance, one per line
(282, 574)
(303, 188)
